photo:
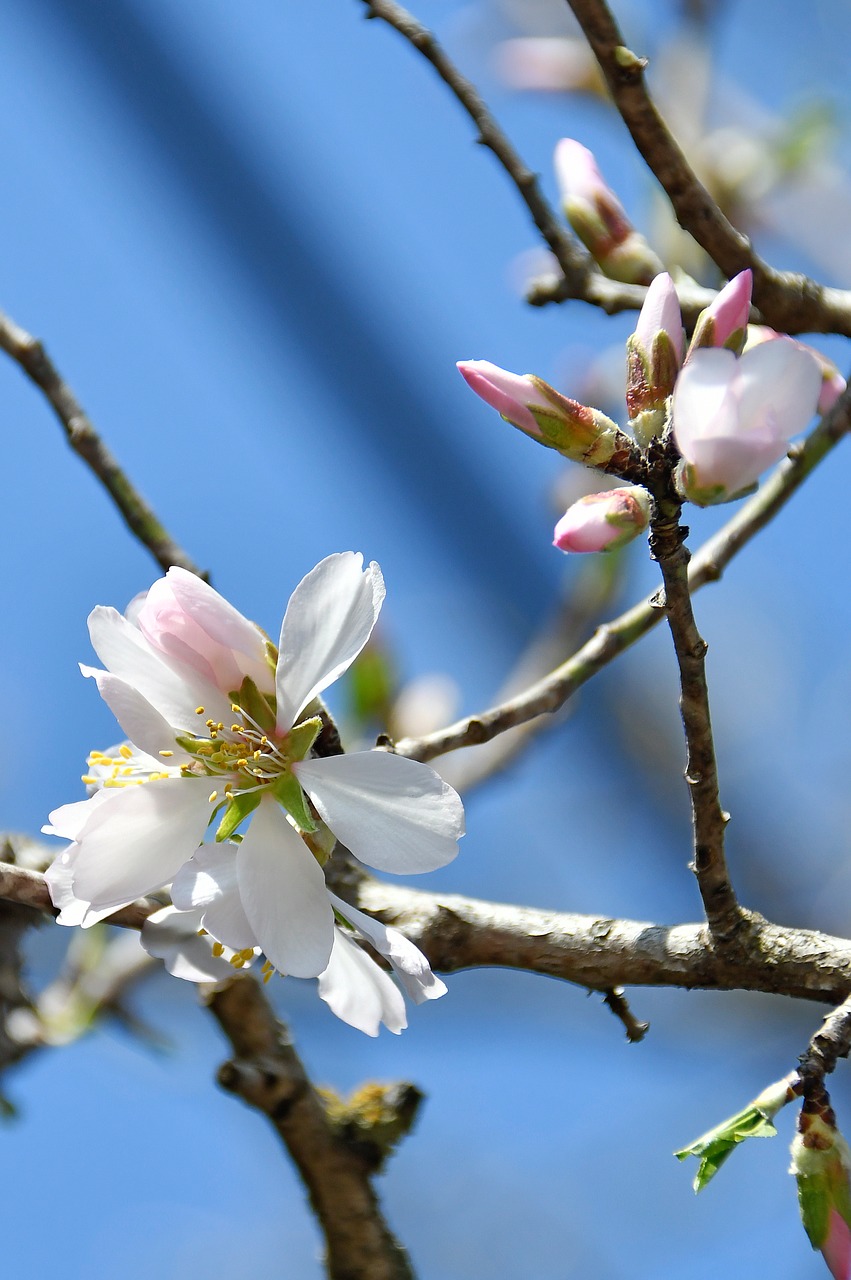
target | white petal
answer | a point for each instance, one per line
(137, 839)
(144, 726)
(328, 621)
(60, 881)
(174, 689)
(208, 881)
(172, 936)
(358, 991)
(780, 383)
(704, 402)
(393, 814)
(284, 896)
(409, 964)
(70, 819)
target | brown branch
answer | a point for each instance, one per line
(831, 1042)
(789, 302)
(140, 519)
(590, 951)
(619, 1005)
(667, 546)
(267, 1073)
(601, 954)
(707, 565)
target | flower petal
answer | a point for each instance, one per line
(358, 991)
(174, 689)
(283, 894)
(144, 726)
(328, 621)
(135, 841)
(208, 881)
(392, 813)
(409, 964)
(172, 936)
(60, 880)
(780, 384)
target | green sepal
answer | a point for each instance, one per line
(259, 706)
(288, 793)
(237, 808)
(302, 737)
(194, 746)
(815, 1205)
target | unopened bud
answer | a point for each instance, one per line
(821, 1162)
(578, 432)
(654, 355)
(599, 218)
(603, 521)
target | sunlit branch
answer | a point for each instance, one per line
(140, 519)
(707, 565)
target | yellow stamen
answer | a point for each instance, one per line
(126, 752)
(88, 779)
(166, 753)
(199, 711)
(218, 949)
(212, 796)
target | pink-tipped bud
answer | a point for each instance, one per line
(603, 521)
(654, 355)
(526, 401)
(734, 417)
(821, 1163)
(724, 323)
(599, 218)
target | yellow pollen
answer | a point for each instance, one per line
(264, 741)
(212, 796)
(237, 962)
(88, 779)
(218, 949)
(235, 708)
(236, 728)
(257, 755)
(241, 764)
(267, 975)
(126, 752)
(165, 753)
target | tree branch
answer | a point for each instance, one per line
(667, 545)
(789, 302)
(140, 519)
(707, 565)
(267, 1073)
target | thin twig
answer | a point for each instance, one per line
(615, 1000)
(267, 1073)
(831, 1042)
(789, 302)
(574, 262)
(140, 519)
(668, 547)
(613, 638)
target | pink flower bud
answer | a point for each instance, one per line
(724, 323)
(655, 350)
(602, 521)
(599, 218)
(821, 1162)
(734, 417)
(549, 64)
(526, 401)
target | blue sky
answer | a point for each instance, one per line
(256, 239)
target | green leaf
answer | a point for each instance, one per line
(714, 1147)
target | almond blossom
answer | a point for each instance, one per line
(734, 416)
(221, 727)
